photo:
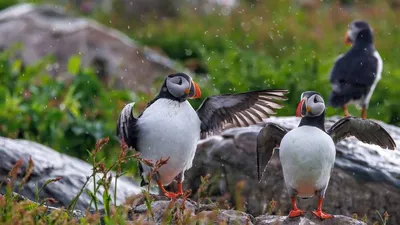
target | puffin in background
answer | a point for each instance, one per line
(355, 74)
(170, 128)
(307, 153)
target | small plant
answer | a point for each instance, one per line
(365, 219)
(202, 190)
(14, 207)
(383, 218)
(272, 206)
(239, 200)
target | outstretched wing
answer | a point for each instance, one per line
(269, 137)
(238, 110)
(364, 130)
(126, 126)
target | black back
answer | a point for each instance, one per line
(354, 73)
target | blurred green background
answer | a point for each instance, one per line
(255, 45)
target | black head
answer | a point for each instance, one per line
(311, 104)
(179, 86)
(358, 30)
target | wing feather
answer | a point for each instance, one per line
(237, 110)
(126, 126)
(364, 130)
(269, 137)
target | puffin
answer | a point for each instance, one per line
(169, 127)
(307, 153)
(356, 73)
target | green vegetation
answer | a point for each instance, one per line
(274, 44)
(67, 115)
(260, 44)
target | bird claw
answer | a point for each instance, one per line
(320, 214)
(295, 213)
(172, 195)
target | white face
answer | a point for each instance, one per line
(311, 105)
(352, 32)
(355, 28)
(315, 105)
(178, 86)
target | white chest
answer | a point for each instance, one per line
(169, 129)
(307, 155)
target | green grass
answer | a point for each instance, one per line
(273, 44)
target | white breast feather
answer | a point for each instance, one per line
(169, 129)
(307, 155)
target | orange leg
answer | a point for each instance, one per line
(319, 213)
(170, 195)
(295, 212)
(364, 113)
(346, 112)
(180, 189)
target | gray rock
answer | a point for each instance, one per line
(49, 30)
(193, 214)
(365, 178)
(228, 217)
(188, 212)
(308, 219)
(50, 164)
(162, 210)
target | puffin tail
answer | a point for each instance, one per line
(337, 100)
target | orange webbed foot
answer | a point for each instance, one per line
(322, 215)
(172, 195)
(295, 213)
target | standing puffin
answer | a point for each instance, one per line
(170, 128)
(307, 153)
(355, 74)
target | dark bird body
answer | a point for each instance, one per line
(355, 74)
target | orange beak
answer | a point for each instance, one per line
(347, 39)
(194, 91)
(299, 106)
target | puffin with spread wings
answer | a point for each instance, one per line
(170, 128)
(307, 153)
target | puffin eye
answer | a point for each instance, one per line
(180, 81)
(318, 99)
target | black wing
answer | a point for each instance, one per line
(269, 137)
(364, 130)
(352, 76)
(238, 110)
(126, 126)
(356, 67)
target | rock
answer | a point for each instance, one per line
(365, 179)
(308, 219)
(163, 211)
(50, 164)
(49, 30)
(228, 217)
(187, 211)
(194, 213)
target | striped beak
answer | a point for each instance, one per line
(194, 91)
(300, 107)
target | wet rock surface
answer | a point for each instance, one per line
(365, 178)
(50, 164)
